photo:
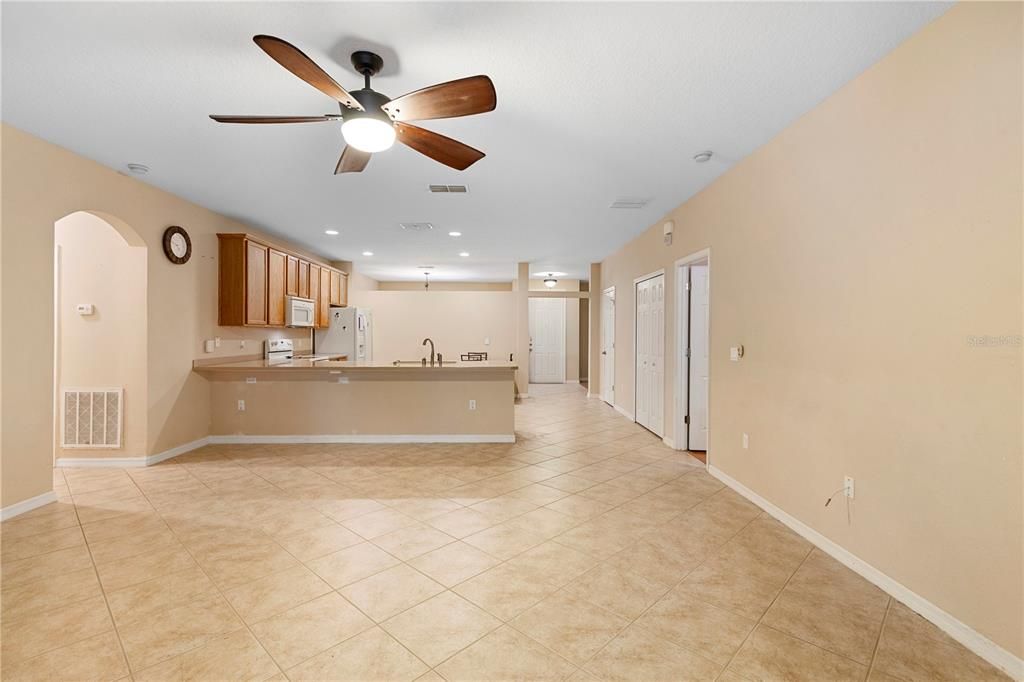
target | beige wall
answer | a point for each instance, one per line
(457, 321)
(855, 256)
(108, 348)
(383, 402)
(445, 286)
(43, 183)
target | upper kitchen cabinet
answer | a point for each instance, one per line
(277, 287)
(256, 278)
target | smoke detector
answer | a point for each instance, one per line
(416, 227)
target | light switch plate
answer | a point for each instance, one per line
(85, 309)
(209, 345)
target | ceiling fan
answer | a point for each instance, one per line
(371, 122)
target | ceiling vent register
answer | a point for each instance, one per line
(448, 189)
(629, 202)
(416, 227)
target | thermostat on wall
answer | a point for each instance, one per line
(85, 309)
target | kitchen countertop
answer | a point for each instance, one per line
(299, 365)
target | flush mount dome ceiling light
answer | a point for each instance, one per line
(371, 121)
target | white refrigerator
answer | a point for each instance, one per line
(350, 333)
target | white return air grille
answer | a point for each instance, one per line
(92, 418)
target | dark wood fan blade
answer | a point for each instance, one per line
(464, 97)
(438, 147)
(270, 119)
(296, 61)
(352, 160)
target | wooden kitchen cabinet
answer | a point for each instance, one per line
(339, 288)
(303, 279)
(291, 287)
(314, 292)
(277, 273)
(323, 307)
(255, 283)
(255, 278)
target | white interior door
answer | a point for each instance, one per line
(683, 359)
(547, 340)
(698, 374)
(608, 346)
(650, 353)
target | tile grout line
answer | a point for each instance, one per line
(878, 639)
(216, 587)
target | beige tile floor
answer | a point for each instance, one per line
(586, 551)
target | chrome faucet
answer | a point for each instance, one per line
(433, 356)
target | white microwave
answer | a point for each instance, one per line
(299, 312)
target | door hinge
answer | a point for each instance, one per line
(687, 352)
(686, 285)
(686, 419)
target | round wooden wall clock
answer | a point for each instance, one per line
(177, 245)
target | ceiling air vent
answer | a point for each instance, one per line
(629, 202)
(448, 189)
(416, 227)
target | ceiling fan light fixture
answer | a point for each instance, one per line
(550, 282)
(368, 134)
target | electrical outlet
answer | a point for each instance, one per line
(241, 406)
(848, 486)
(216, 341)
(746, 441)
(250, 380)
(472, 404)
(241, 344)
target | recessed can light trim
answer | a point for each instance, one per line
(454, 234)
(367, 253)
(331, 232)
(464, 254)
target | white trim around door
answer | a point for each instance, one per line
(681, 394)
(608, 345)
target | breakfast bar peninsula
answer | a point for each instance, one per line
(327, 400)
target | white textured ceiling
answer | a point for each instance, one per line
(595, 102)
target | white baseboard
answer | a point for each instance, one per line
(669, 442)
(129, 462)
(28, 505)
(624, 413)
(955, 628)
(178, 450)
(369, 438)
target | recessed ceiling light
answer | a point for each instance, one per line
(367, 253)
(464, 254)
(454, 234)
(331, 232)
(138, 168)
(702, 157)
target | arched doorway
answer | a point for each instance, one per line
(100, 338)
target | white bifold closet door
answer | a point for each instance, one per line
(650, 353)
